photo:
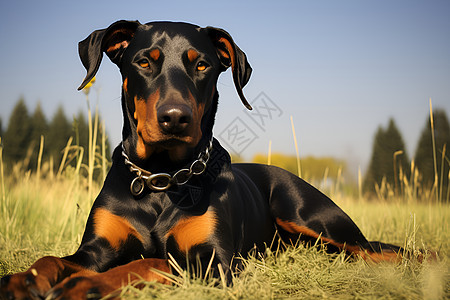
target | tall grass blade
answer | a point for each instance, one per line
(448, 188)
(325, 178)
(359, 183)
(441, 184)
(92, 144)
(1, 171)
(26, 161)
(95, 134)
(299, 168)
(104, 150)
(80, 156)
(208, 269)
(64, 158)
(433, 140)
(39, 162)
(223, 278)
(52, 175)
(396, 153)
(338, 180)
(90, 154)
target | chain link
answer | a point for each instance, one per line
(162, 181)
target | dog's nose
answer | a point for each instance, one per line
(174, 119)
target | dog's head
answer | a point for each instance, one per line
(169, 72)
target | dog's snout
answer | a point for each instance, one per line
(174, 119)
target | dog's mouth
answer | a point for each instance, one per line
(178, 147)
(171, 142)
(159, 139)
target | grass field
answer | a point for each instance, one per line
(45, 213)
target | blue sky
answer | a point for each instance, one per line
(339, 68)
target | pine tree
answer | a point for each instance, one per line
(17, 135)
(60, 130)
(39, 128)
(23, 136)
(398, 153)
(81, 131)
(388, 143)
(424, 152)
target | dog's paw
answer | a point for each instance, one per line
(26, 285)
(79, 288)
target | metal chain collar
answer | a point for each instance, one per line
(162, 181)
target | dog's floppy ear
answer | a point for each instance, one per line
(112, 40)
(231, 55)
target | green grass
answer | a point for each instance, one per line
(43, 213)
(46, 215)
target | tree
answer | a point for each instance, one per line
(60, 130)
(39, 126)
(17, 134)
(81, 131)
(424, 157)
(23, 136)
(388, 158)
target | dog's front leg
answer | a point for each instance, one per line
(98, 285)
(38, 279)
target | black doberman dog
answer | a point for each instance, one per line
(171, 188)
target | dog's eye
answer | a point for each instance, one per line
(202, 66)
(143, 63)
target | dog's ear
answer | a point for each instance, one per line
(112, 40)
(231, 55)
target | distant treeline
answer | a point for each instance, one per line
(314, 169)
(391, 168)
(391, 164)
(21, 140)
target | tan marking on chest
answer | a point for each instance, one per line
(113, 228)
(192, 231)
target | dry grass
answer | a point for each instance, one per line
(44, 214)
